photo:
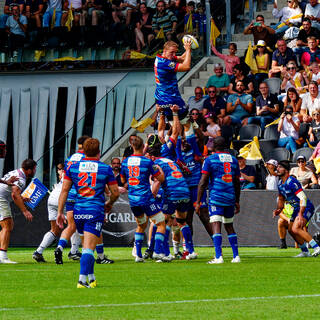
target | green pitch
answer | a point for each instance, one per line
(267, 284)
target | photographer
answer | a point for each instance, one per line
(289, 130)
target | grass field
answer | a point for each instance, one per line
(267, 284)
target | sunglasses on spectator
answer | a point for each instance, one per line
(316, 114)
(195, 113)
(199, 92)
(291, 68)
(211, 91)
(300, 161)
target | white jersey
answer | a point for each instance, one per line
(5, 190)
(55, 193)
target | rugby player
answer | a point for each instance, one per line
(91, 179)
(8, 194)
(221, 171)
(290, 190)
(136, 170)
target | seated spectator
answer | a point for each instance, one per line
(124, 10)
(247, 174)
(312, 12)
(315, 72)
(220, 80)
(196, 116)
(310, 101)
(267, 106)
(34, 11)
(292, 99)
(292, 78)
(289, 130)
(304, 175)
(143, 30)
(216, 105)
(316, 153)
(164, 19)
(272, 177)
(289, 16)
(92, 9)
(260, 31)
(197, 101)
(311, 53)
(263, 63)
(7, 11)
(280, 57)
(53, 7)
(230, 60)
(213, 130)
(78, 15)
(239, 105)
(240, 75)
(314, 129)
(16, 28)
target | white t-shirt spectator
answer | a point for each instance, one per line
(288, 129)
(272, 182)
(76, 4)
(286, 13)
(312, 11)
(308, 105)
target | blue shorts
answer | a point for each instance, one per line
(308, 213)
(149, 209)
(89, 222)
(225, 211)
(70, 205)
(165, 106)
(193, 198)
(170, 206)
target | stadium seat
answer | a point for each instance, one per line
(271, 133)
(307, 152)
(278, 154)
(246, 135)
(227, 132)
(274, 85)
(270, 140)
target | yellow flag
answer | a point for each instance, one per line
(137, 55)
(53, 20)
(250, 60)
(288, 20)
(189, 26)
(231, 145)
(214, 32)
(160, 34)
(299, 85)
(69, 19)
(38, 54)
(309, 145)
(316, 163)
(273, 122)
(69, 59)
(251, 151)
(142, 124)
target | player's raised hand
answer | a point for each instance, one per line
(174, 108)
(28, 215)
(187, 44)
(61, 220)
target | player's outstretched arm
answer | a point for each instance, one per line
(280, 205)
(66, 186)
(201, 189)
(186, 64)
(18, 200)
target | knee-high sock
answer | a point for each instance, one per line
(166, 248)
(62, 243)
(138, 238)
(152, 240)
(47, 240)
(186, 232)
(159, 238)
(75, 242)
(86, 264)
(217, 242)
(233, 240)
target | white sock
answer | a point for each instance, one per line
(176, 246)
(75, 242)
(91, 277)
(3, 255)
(184, 245)
(47, 240)
(83, 278)
(100, 255)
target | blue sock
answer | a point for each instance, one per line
(217, 241)
(159, 238)
(178, 149)
(303, 247)
(138, 237)
(62, 243)
(166, 248)
(233, 240)
(313, 244)
(154, 230)
(193, 142)
(186, 232)
(86, 262)
(99, 248)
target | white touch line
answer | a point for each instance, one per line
(164, 302)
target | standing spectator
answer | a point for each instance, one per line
(260, 31)
(288, 16)
(53, 6)
(9, 194)
(230, 60)
(248, 174)
(280, 57)
(263, 63)
(94, 10)
(304, 175)
(197, 101)
(310, 101)
(213, 130)
(239, 104)
(7, 11)
(16, 28)
(313, 13)
(128, 151)
(289, 130)
(267, 106)
(195, 20)
(240, 75)
(272, 178)
(143, 30)
(216, 105)
(164, 19)
(220, 80)
(34, 11)
(116, 168)
(314, 129)
(292, 99)
(310, 54)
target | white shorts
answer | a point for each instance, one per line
(53, 212)
(5, 210)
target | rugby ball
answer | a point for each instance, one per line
(194, 41)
